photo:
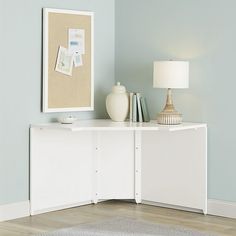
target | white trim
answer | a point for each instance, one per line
(45, 59)
(14, 211)
(62, 207)
(222, 208)
(92, 59)
(205, 210)
(70, 109)
(57, 10)
(137, 163)
(96, 170)
(158, 204)
(214, 207)
(22, 209)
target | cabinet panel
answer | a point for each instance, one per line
(174, 167)
(61, 168)
(116, 165)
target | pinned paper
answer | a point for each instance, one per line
(77, 60)
(64, 62)
(73, 55)
(76, 42)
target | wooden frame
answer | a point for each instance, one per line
(73, 90)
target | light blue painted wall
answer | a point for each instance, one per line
(204, 33)
(20, 76)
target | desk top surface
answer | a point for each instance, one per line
(98, 124)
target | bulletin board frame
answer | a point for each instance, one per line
(74, 91)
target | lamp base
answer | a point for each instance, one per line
(169, 116)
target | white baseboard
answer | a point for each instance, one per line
(222, 208)
(58, 208)
(14, 210)
(158, 204)
(63, 207)
(22, 209)
(214, 207)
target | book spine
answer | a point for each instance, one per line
(131, 106)
(140, 116)
(134, 110)
(146, 116)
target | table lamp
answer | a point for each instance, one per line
(170, 74)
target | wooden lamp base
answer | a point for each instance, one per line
(169, 116)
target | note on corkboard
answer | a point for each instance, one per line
(68, 61)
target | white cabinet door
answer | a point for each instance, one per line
(116, 165)
(61, 173)
(174, 167)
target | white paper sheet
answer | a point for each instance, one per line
(78, 61)
(76, 42)
(64, 62)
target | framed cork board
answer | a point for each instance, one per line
(68, 71)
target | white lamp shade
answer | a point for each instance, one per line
(171, 74)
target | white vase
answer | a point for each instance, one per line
(117, 103)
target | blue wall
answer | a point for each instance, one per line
(20, 76)
(204, 33)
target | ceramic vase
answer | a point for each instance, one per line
(117, 103)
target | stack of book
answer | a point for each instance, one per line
(138, 108)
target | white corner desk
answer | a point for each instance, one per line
(93, 160)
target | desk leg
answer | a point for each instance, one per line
(137, 155)
(97, 151)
